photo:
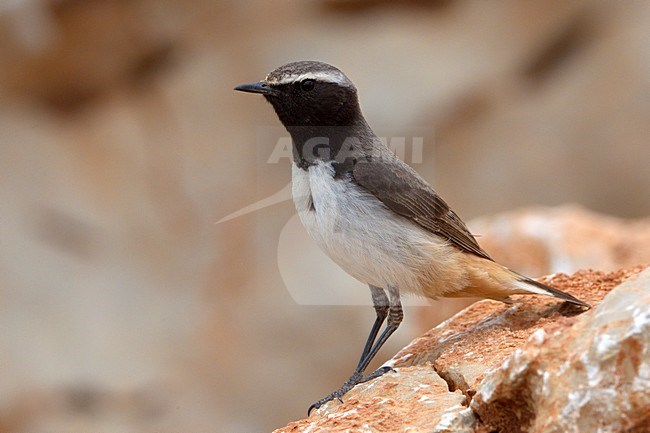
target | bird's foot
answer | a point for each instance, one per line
(354, 380)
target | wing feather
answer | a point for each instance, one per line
(403, 191)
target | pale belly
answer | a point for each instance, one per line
(367, 239)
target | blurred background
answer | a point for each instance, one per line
(124, 307)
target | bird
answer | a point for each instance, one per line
(371, 213)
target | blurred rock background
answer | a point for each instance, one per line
(124, 307)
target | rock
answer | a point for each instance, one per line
(539, 365)
(478, 338)
(591, 376)
(413, 397)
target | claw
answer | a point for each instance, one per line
(354, 380)
(338, 394)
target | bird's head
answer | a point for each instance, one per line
(309, 94)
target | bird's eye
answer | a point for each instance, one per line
(307, 85)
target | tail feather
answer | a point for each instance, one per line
(488, 279)
(548, 290)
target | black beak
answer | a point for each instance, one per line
(259, 87)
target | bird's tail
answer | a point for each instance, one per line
(489, 279)
(528, 285)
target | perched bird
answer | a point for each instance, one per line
(371, 213)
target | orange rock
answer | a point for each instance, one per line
(538, 366)
(591, 375)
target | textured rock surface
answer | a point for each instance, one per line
(481, 336)
(413, 397)
(539, 365)
(591, 376)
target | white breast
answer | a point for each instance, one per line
(364, 237)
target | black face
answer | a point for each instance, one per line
(311, 102)
(318, 105)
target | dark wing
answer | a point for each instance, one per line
(403, 191)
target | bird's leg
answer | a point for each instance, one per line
(395, 316)
(380, 302)
(391, 307)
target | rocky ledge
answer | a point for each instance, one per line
(536, 366)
